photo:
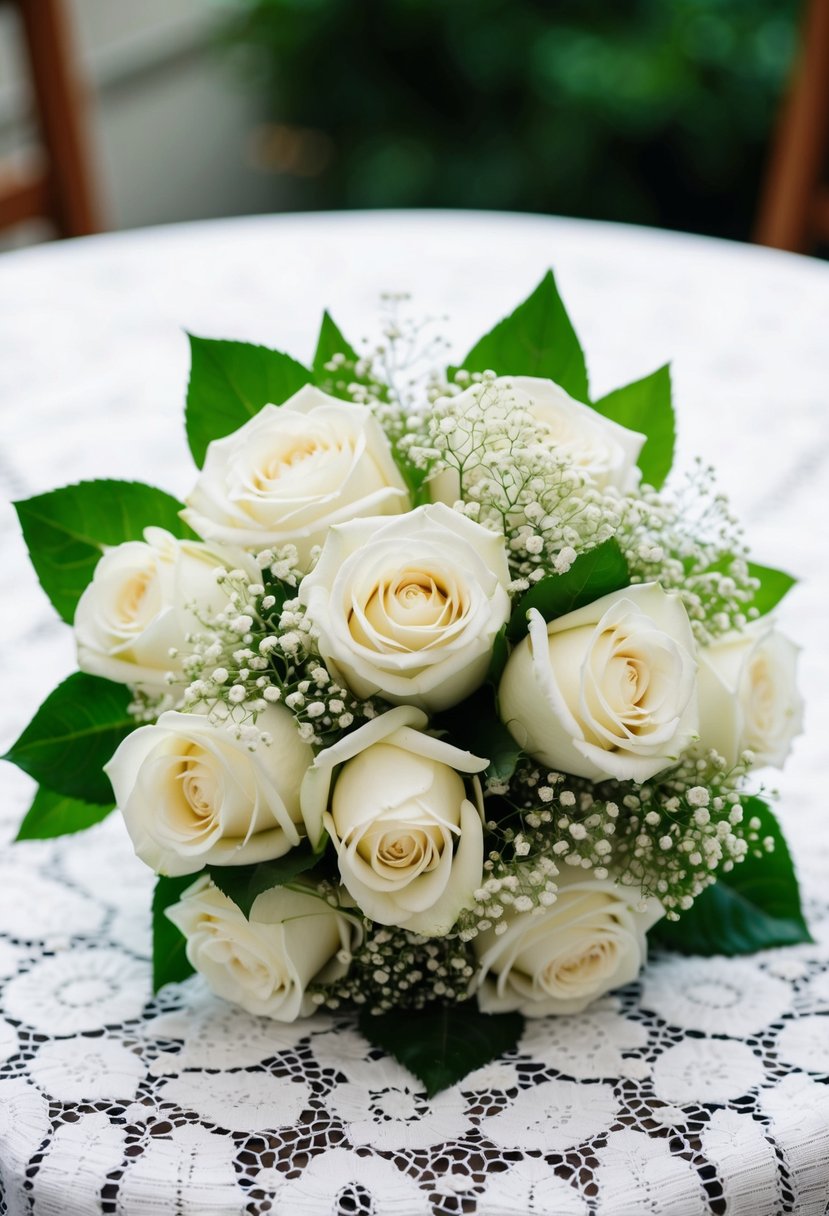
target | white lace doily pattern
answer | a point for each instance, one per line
(699, 1089)
(704, 1087)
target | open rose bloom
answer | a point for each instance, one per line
(434, 690)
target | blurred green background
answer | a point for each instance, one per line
(649, 111)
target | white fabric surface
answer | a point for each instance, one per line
(702, 1089)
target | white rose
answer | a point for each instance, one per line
(193, 795)
(609, 690)
(410, 843)
(602, 450)
(592, 939)
(748, 695)
(264, 963)
(292, 471)
(137, 608)
(409, 608)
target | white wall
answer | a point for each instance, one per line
(171, 121)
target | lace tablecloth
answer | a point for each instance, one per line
(701, 1089)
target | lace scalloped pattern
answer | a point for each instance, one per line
(700, 1089)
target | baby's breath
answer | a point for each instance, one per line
(487, 449)
(262, 650)
(395, 969)
(687, 539)
(669, 838)
(146, 707)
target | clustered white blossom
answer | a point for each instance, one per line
(669, 838)
(687, 538)
(277, 661)
(396, 969)
(506, 479)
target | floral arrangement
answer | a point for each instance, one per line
(436, 698)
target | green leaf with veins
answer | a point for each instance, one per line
(442, 1044)
(592, 575)
(73, 735)
(243, 884)
(54, 814)
(67, 530)
(537, 339)
(646, 406)
(229, 384)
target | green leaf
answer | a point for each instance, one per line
(592, 575)
(537, 339)
(73, 735)
(67, 530)
(229, 383)
(646, 406)
(754, 907)
(475, 726)
(53, 814)
(243, 884)
(441, 1044)
(170, 962)
(330, 342)
(774, 584)
(492, 739)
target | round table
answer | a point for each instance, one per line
(702, 1088)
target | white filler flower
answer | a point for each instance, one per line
(609, 690)
(409, 840)
(605, 452)
(292, 471)
(409, 607)
(192, 794)
(265, 963)
(592, 939)
(138, 607)
(748, 695)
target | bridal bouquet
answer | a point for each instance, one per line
(435, 697)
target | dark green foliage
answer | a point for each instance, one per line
(73, 735)
(536, 339)
(229, 383)
(242, 884)
(170, 962)
(592, 575)
(56, 815)
(650, 111)
(646, 406)
(441, 1044)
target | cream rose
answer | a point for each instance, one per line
(592, 939)
(605, 452)
(409, 840)
(193, 795)
(265, 963)
(292, 471)
(748, 695)
(137, 607)
(609, 690)
(409, 607)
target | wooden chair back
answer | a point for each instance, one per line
(58, 185)
(794, 205)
